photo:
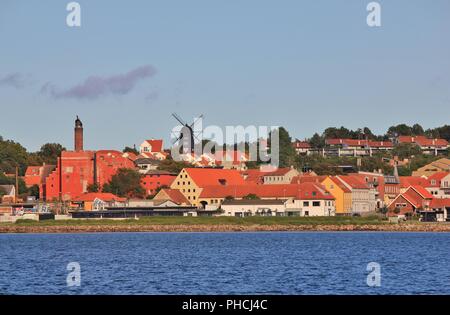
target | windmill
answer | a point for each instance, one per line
(187, 134)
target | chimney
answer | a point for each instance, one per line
(78, 135)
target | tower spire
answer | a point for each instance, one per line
(78, 135)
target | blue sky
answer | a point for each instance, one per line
(305, 65)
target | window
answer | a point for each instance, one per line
(316, 203)
(305, 203)
(306, 213)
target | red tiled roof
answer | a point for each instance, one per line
(406, 181)
(439, 203)
(422, 191)
(102, 196)
(32, 170)
(354, 182)
(301, 145)
(130, 155)
(438, 176)
(176, 196)
(356, 142)
(303, 191)
(254, 176)
(157, 145)
(209, 176)
(340, 184)
(423, 141)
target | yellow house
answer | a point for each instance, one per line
(191, 181)
(342, 194)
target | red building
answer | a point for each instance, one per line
(153, 180)
(76, 170)
(36, 175)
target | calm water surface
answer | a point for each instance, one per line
(225, 263)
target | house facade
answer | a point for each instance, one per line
(152, 149)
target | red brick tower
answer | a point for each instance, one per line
(78, 135)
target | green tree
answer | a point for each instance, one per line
(7, 180)
(417, 130)
(93, 188)
(172, 166)
(406, 150)
(384, 210)
(400, 130)
(34, 191)
(50, 152)
(317, 141)
(12, 154)
(125, 183)
(131, 150)
(287, 154)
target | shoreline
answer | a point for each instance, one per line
(53, 229)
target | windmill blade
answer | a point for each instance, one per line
(179, 119)
(177, 139)
(197, 119)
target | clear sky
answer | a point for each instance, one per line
(305, 65)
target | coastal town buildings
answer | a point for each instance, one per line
(353, 195)
(413, 200)
(77, 170)
(36, 175)
(153, 180)
(366, 147)
(97, 201)
(307, 199)
(191, 181)
(427, 145)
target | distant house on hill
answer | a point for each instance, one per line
(427, 145)
(153, 149)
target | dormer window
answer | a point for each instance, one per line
(222, 181)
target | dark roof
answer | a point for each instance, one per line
(159, 172)
(146, 161)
